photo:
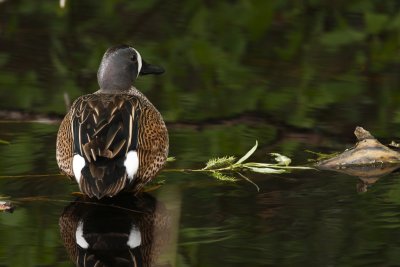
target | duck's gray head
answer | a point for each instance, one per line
(120, 66)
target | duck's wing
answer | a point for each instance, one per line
(153, 145)
(64, 146)
(104, 130)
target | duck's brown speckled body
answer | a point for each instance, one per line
(114, 139)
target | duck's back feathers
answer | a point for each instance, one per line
(105, 125)
(105, 130)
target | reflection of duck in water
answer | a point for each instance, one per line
(114, 139)
(119, 231)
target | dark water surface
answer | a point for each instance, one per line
(293, 75)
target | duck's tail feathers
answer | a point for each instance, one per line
(103, 179)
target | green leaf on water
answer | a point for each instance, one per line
(265, 170)
(171, 159)
(3, 142)
(248, 154)
(258, 165)
(219, 162)
(223, 177)
(281, 159)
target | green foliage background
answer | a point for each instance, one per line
(315, 57)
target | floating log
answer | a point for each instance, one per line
(368, 152)
(368, 160)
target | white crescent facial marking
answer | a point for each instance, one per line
(135, 238)
(78, 162)
(131, 164)
(80, 240)
(139, 60)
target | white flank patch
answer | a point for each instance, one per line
(131, 164)
(139, 60)
(80, 240)
(135, 238)
(78, 163)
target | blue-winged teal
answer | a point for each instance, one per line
(114, 139)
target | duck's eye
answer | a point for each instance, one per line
(134, 58)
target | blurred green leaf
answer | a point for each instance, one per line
(376, 22)
(4, 142)
(341, 37)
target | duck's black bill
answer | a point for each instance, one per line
(150, 69)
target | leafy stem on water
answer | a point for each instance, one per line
(227, 167)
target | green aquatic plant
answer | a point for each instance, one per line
(223, 177)
(227, 163)
(219, 162)
(227, 169)
(171, 159)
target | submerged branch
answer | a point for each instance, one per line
(11, 203)
(31, 175)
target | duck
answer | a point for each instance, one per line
(114, 139)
